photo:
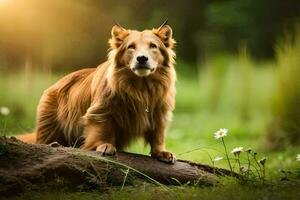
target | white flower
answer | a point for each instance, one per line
(237, 150)
(298, 157)
(4, 111)
(218, 158)
(221, 133)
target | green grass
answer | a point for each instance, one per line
(233, 93)
(229, 190)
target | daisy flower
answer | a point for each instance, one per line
(237, 150)
(298, 157)
(221, 133)
(218, 158)
(4, 111)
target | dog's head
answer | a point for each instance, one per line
(143, 52)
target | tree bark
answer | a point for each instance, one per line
(26, 167)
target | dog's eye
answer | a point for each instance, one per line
(132, 46)
(153, 46)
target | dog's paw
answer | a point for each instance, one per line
(165, 156)
(106, 149)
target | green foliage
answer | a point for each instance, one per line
(284, 129)
(20, 92)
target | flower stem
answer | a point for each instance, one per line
(249, 164)
(239, 163)
(227, 154)
(264, 174)
(4, 127)
(260, 170)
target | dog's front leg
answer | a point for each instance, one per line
(156, 139)
(100, 136)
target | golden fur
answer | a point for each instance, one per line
(107, 107)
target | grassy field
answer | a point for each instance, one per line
(228, 92)
(231, 191)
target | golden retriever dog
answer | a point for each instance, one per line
(131, 95)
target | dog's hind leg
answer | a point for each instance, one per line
(47, 126)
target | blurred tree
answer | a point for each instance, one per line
(258, 23)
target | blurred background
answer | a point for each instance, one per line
(238, 64)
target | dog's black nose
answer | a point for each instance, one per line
(142, 59)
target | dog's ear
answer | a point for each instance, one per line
(165, 33)
(118, 34)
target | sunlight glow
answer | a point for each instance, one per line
(3, 1)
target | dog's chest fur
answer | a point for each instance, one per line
(132, 117)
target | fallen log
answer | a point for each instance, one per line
(27, 167)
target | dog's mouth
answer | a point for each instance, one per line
(142, 70)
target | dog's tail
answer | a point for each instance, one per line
(28, 138)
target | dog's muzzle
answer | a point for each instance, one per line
(142, 70)
(142, 67)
